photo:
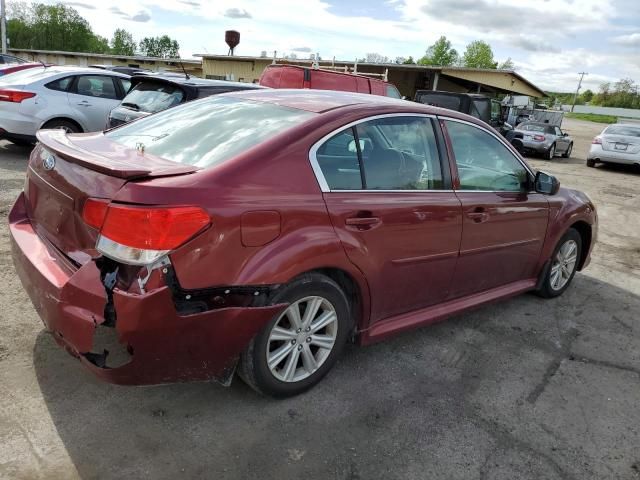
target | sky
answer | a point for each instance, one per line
(550, 41)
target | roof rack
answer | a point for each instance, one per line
(315, 64)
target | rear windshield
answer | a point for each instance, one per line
(529, 127)
(626, 130)
(209, 131)
(152, 97)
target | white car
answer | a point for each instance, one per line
(618, 143)
(71, 98)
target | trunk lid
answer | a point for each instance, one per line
(64, 171)
(621, 143)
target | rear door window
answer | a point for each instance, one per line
(100, 86)
(152, 97)
(391, 153)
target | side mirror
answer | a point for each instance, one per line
(565, 134)
(547, 184)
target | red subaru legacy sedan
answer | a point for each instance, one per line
(260, 231)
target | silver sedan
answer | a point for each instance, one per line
(541, 139)
(71, 98)
(618, 143)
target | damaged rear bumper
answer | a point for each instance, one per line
(161, 346)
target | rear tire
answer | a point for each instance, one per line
(288, 356)
(62, 124)
(567, 154)
(591, 162)
(563, 265)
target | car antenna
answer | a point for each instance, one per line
(183, 69)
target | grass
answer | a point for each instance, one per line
(593, 117)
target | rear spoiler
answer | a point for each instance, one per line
(96, 152)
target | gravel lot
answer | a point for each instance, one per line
(524, 389)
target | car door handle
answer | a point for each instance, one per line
(362, 223)
(84, 104)
(479, 215)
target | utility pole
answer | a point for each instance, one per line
(3, 26)
(575, 97)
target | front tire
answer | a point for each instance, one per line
(563, 267)
(551, 152)
(300, 345)
(567, 154)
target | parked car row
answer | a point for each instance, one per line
(90, 99)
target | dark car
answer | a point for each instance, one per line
(259, 231)
(480, 106)
(155, 92)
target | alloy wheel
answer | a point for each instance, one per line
(564, 264)
(302, 339)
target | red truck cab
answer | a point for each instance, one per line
(294, 76)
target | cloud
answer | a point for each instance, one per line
(236, 13)
(302, 49)
(117, 11)
(141, 16)
(631, 40)
(486, 17)
(533, 44)
(190, 3)
(81, 5)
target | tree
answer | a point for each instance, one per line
(162, 47)
(51, 27)
(478, 55)
(122, 43)
(507, 65)
(440, 53)
(375, 58)
(587, 95)
(409, 61)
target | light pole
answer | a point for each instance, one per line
(3, 26)
(575, 97)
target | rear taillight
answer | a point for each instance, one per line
(141, 235)
(538, 138)
(596, 141)
(14, 96)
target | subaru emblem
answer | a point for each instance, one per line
(49, 162)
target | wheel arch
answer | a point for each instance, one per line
(351, 289)
(66, 119)
(586, 235)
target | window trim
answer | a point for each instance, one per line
(322, 182)
(497, 137)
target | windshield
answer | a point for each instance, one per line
(626, 130)
(153, 97)
(208, 131)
